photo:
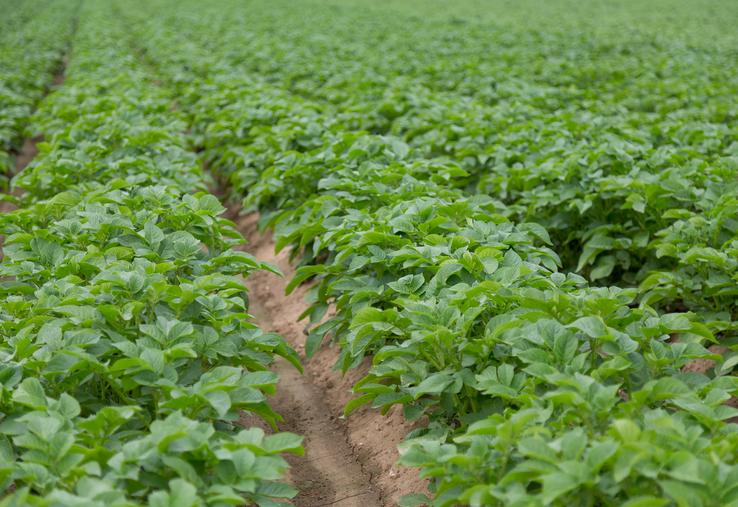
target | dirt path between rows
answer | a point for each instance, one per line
(24, 157)
(349, 462)
(29, 150)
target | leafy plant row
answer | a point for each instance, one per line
(630, 167)
(33, 39)
(466, 316)
(540, 389)
(127, 353)
(615, 186)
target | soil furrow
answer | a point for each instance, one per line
(27, 153)
(29, 150)
(334, 476)
(348, 461)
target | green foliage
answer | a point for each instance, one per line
(451, 196)
(523, 214)
(34, 36)
(127, 353)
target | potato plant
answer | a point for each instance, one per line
(505, 232)
(34, 37)
(524, 215)
(127, 353)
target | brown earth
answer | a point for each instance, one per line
(27, 153)
(29, 150)
(349, 461)
(22, 159)
(704, 365)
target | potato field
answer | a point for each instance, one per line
(369, 253)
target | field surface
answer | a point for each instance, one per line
(368, 253)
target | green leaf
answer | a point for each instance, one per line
(284, 442)
(557, 484)
(646, 501)
(592, 326)
(434, 384)
(31, 394)
(220, 401)
(355, 403)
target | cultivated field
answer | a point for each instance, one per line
(369, 253)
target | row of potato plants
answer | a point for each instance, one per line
(583, 137)
(34, 36)
(629, 166)
(128, 357)
(540, 388)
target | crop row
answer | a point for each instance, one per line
(34, 37)
(630, 168)
(539, 387)
(127, 353)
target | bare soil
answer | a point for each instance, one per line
(60, 74)
(6, 207)
(29, 150)
(349, 461)
(27, 153)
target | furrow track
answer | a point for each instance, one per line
(348, 462)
